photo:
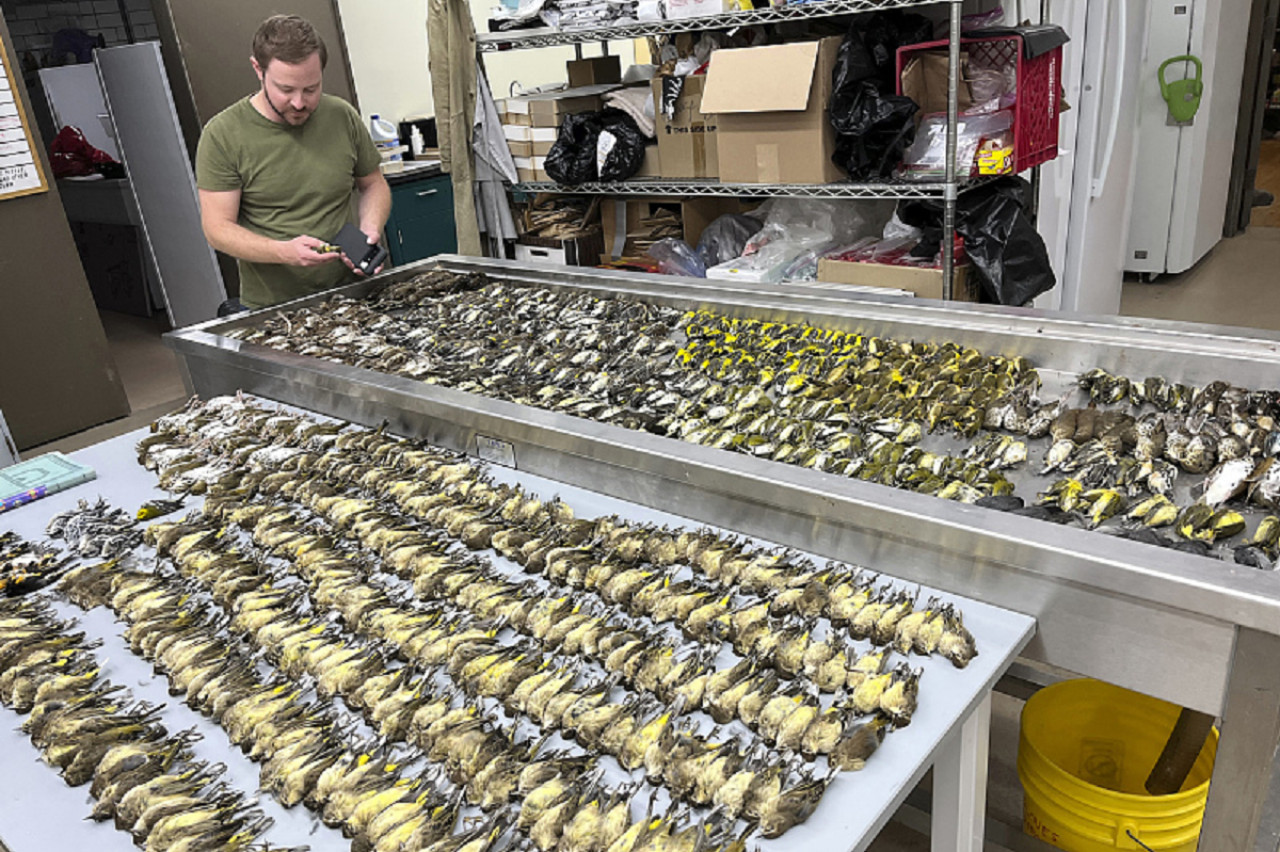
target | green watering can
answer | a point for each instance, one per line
(1182, 96)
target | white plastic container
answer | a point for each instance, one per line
(383, 132)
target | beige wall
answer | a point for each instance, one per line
(531, 68)
(56, 372)
(387, 43)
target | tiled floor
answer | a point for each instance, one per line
(149, 370)
(1235, 284)
(1232, 286)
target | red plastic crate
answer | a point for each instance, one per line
(1035, 114)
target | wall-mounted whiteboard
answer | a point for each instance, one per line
(20, 170)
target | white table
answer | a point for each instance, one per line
(948, 733)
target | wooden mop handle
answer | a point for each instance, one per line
(1180, 752)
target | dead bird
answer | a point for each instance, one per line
(792, 806)
(858, 741)
(159, 508)
(899, 699)
(957, 643)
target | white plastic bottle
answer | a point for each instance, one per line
(383, 132)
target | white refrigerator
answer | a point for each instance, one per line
(1184, 171)
(1086, 194)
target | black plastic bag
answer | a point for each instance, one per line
(882, 128)
(572, 159)
(592, 146)
(1004, 249)
(873, 125)
(622, 157)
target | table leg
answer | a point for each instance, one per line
(1246, 749)
(960, 784)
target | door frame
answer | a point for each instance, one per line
(1263, 20)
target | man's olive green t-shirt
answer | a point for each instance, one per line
(292, 181)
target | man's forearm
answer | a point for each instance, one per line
(239, 242)
(374, 207)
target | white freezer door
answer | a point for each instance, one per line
(1102, 172)
(1200, 201)
(1183, 177)
(1159, 168)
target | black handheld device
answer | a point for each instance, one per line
(355, 245)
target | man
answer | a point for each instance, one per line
(276, 170)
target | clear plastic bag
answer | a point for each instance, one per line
(804, 267)
(844, 219)
(895, 228)
(726, 237)
(981, 20)
(675, 257)
(927, 156)
(770, 253)
(987, 84)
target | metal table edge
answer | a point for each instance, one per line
(1203, 587)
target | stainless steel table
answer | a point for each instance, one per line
(1198, 632)
(947, 733)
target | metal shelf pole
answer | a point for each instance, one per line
(951, 190)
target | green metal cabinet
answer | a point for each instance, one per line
(421, 223)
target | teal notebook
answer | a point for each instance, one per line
(38, 477)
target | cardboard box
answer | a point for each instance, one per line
(516, 134)
(924, 80)
(616, 214)
(524, 168)
(770, 105)
(594, 70)
(687, 141)
(579, 251)
(521, 149)
(532, 168)
(513, 106)
(550, 109)
(677, 9)
(541, 149)
(544, 135)
(925, 283)
(651, 166)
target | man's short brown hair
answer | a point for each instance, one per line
(288, 38)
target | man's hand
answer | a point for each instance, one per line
(373, 239)
(305, 251)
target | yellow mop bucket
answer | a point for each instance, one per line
(1084, 754)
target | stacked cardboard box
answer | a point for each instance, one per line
(531, 123)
